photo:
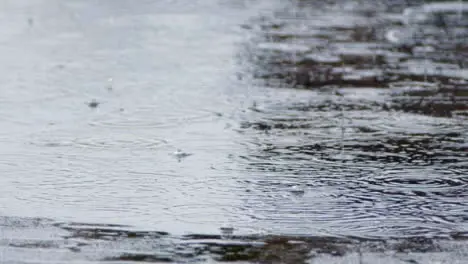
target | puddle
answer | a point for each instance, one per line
(308, 132)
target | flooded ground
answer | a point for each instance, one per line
(256, 131)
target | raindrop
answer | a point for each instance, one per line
(179, 154)
(93, 104)
(298, 190)
(343, 130)
(110, 84)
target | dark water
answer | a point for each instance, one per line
(335, 132)
(378, 139)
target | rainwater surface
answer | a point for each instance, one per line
(177, 131)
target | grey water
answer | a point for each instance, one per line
(162, 120)
(172, 65)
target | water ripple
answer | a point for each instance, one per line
(365, 173)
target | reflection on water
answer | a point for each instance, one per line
(261, 131)
(371, 46)
(371, 164)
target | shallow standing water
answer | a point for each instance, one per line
(172, 65)
(359, 153)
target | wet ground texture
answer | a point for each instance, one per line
(53, 242)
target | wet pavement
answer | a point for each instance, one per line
(254, 131)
